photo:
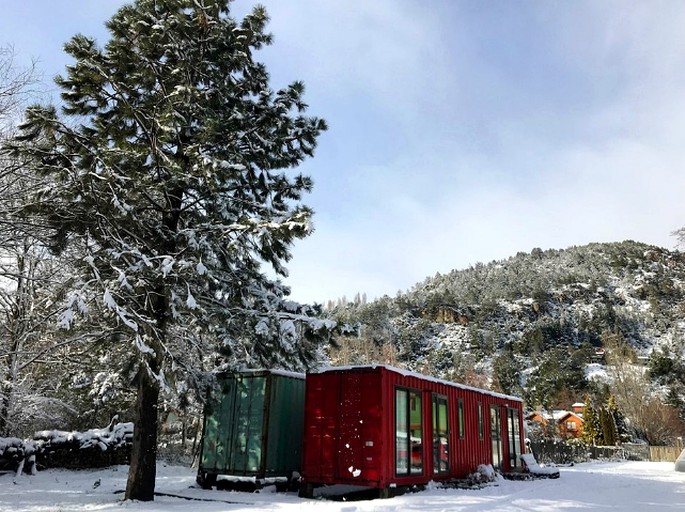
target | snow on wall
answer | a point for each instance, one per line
(92, 448)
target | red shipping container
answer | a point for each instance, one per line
(382, 427)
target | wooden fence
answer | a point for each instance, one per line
(664, 453)
(560, 452)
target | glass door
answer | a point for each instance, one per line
(496, 436)
(408, 433)
(514, 434)
(441, 463)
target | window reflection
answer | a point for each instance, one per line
(440, 439)
(408, 432)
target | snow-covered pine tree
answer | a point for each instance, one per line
(169, 166)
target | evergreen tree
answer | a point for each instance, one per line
(560, 372)
(507, 371)
(592, 431)
(168, 179)
(611, 421)
(617, 422)
(609, 433)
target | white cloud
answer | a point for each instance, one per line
(465, 132)
(563, 133)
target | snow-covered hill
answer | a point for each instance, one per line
(508, 322)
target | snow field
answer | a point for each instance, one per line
(617, 486)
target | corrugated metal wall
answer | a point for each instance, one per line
(321, 427)
(285, 416)
(350, 429)
(360, 427)
(254, 427)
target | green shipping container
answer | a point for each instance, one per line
(253, 428)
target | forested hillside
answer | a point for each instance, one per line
(536, 324)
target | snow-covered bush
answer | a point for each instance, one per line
(485, 473)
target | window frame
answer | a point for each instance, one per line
(412, 397)
(513, 437)
(436, 400)
(481, 423)
(496, 440)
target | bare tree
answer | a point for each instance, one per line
(14, 271)
(648, 416)
(16, 86)
(360, 350)
(661, 424)
(30, 279)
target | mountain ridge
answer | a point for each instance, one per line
(502, 323)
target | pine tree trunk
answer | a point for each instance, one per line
(143, 470)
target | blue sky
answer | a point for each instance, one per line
(460, 131)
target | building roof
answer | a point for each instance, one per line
(570, 413)
(259, 372)
(556, 415)
(407, 373)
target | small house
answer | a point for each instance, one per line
(540, 417)
(569, 424)
(578, 407)
(382, 427)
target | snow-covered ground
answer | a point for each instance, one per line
(592, 486)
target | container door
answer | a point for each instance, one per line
(217, 429)
(210, 436)
(285, 431)
(360, 426)
(226, 425)
(440, 428)
(248, 420)
(496, 436)
(321, 435)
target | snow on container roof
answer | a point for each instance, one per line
(407, 373)
(280, 373)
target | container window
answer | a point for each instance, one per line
(480, 420)
(440, 435)
(402, 433)
(408, 432)
(496, 436)
(461, 418)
